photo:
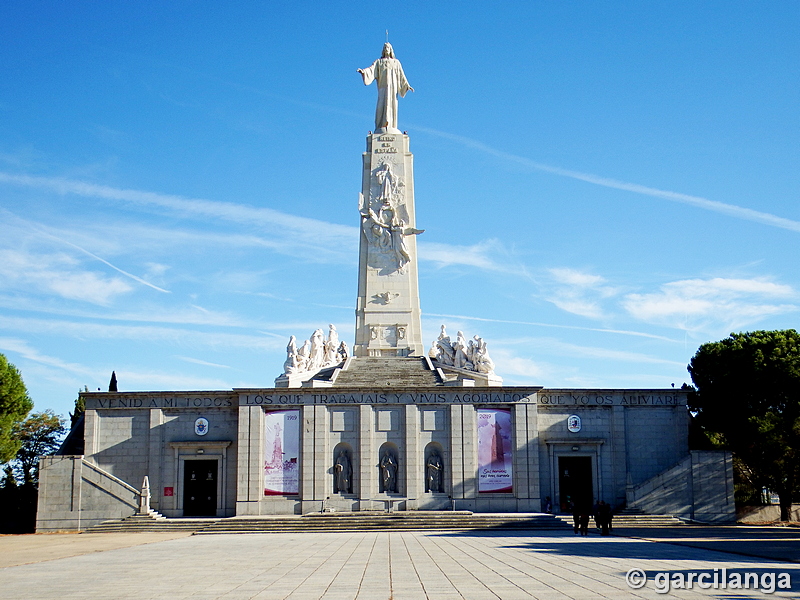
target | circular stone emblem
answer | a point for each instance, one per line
(201, 426)
(574, 423)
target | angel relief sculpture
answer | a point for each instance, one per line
(384, 219)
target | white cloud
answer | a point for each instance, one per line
(57, 273)
(578, 292)
(322, 233)
(577, 278)
(717, 303)
(552, 346)
(174, 336)
(188, 338)
(27, 352)
(509, 364)
(478, 255)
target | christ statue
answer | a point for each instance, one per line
(388, 72)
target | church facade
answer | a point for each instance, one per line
(388, 425)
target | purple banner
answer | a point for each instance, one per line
(282, 450)
(495, 450)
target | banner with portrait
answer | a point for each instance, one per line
(282, 452)
(495, 450)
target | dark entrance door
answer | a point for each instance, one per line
(200, 488)
(574, 481)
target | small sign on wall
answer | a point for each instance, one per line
(168, 491)
(574, 423)
(201, 426)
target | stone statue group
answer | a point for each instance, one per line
(471, 356)
(316, 353)
(343, 473)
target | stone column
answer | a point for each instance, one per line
(250, 461)
(469, 423)
(521, 474)
(456, 470)
(367, 473)
(619, 457)
(414, 468)
(387, 308)
(322, 453)
(307, 459)
(155, 459)
(534, 489)
(91, 426)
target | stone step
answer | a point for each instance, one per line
(150, 525)
(386, 372)
(634, 520)
(379, 523)
(400, 521)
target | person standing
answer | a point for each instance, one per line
(603, 517)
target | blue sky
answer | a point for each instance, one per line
(604, 185)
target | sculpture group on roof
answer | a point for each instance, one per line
(470, 356)
(316, 353)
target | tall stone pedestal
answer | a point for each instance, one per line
(387, 308)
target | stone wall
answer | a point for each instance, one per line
(75, 494)
(765, 514)
(699, 487)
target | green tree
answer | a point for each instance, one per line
(15, 404)
(748, 392)
(40, 434)
(80, 408)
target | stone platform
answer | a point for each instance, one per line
(508, 565)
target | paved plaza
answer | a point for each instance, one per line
(381, 565)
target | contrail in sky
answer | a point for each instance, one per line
(729, 209)
(105, 262)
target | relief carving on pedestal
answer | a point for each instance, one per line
(384, 220)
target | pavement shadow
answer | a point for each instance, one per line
(727, 546)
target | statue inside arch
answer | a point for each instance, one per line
(342, 474)
(434, 473)
(389, 472)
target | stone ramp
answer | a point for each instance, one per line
(330, 522)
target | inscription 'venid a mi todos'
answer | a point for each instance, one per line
(597, 399)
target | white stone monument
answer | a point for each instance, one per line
(387, 308)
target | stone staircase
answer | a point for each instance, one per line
(633, 518)
(330, 522)
(387, 372)
(139, 524)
